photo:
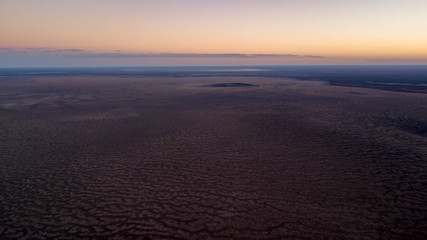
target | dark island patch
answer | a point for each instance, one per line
(357, 93)
(232, 85)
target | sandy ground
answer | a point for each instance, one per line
(171, 158)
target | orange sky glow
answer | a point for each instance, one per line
(332, 31)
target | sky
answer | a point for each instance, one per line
(61, 33)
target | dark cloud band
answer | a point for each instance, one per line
(196, 55)
(118, 54)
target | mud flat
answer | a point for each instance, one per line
(124, 157)
(232, 85)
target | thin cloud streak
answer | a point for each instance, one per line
(397, 60)
(42, 50)
(90, 54)
(194, 55)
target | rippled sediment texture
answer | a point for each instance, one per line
(162, 158)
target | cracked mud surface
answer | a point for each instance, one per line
(163, 158)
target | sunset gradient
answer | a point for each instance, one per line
(131, 32)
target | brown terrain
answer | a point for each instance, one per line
(98, 157)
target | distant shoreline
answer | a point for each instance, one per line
(397, 78)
